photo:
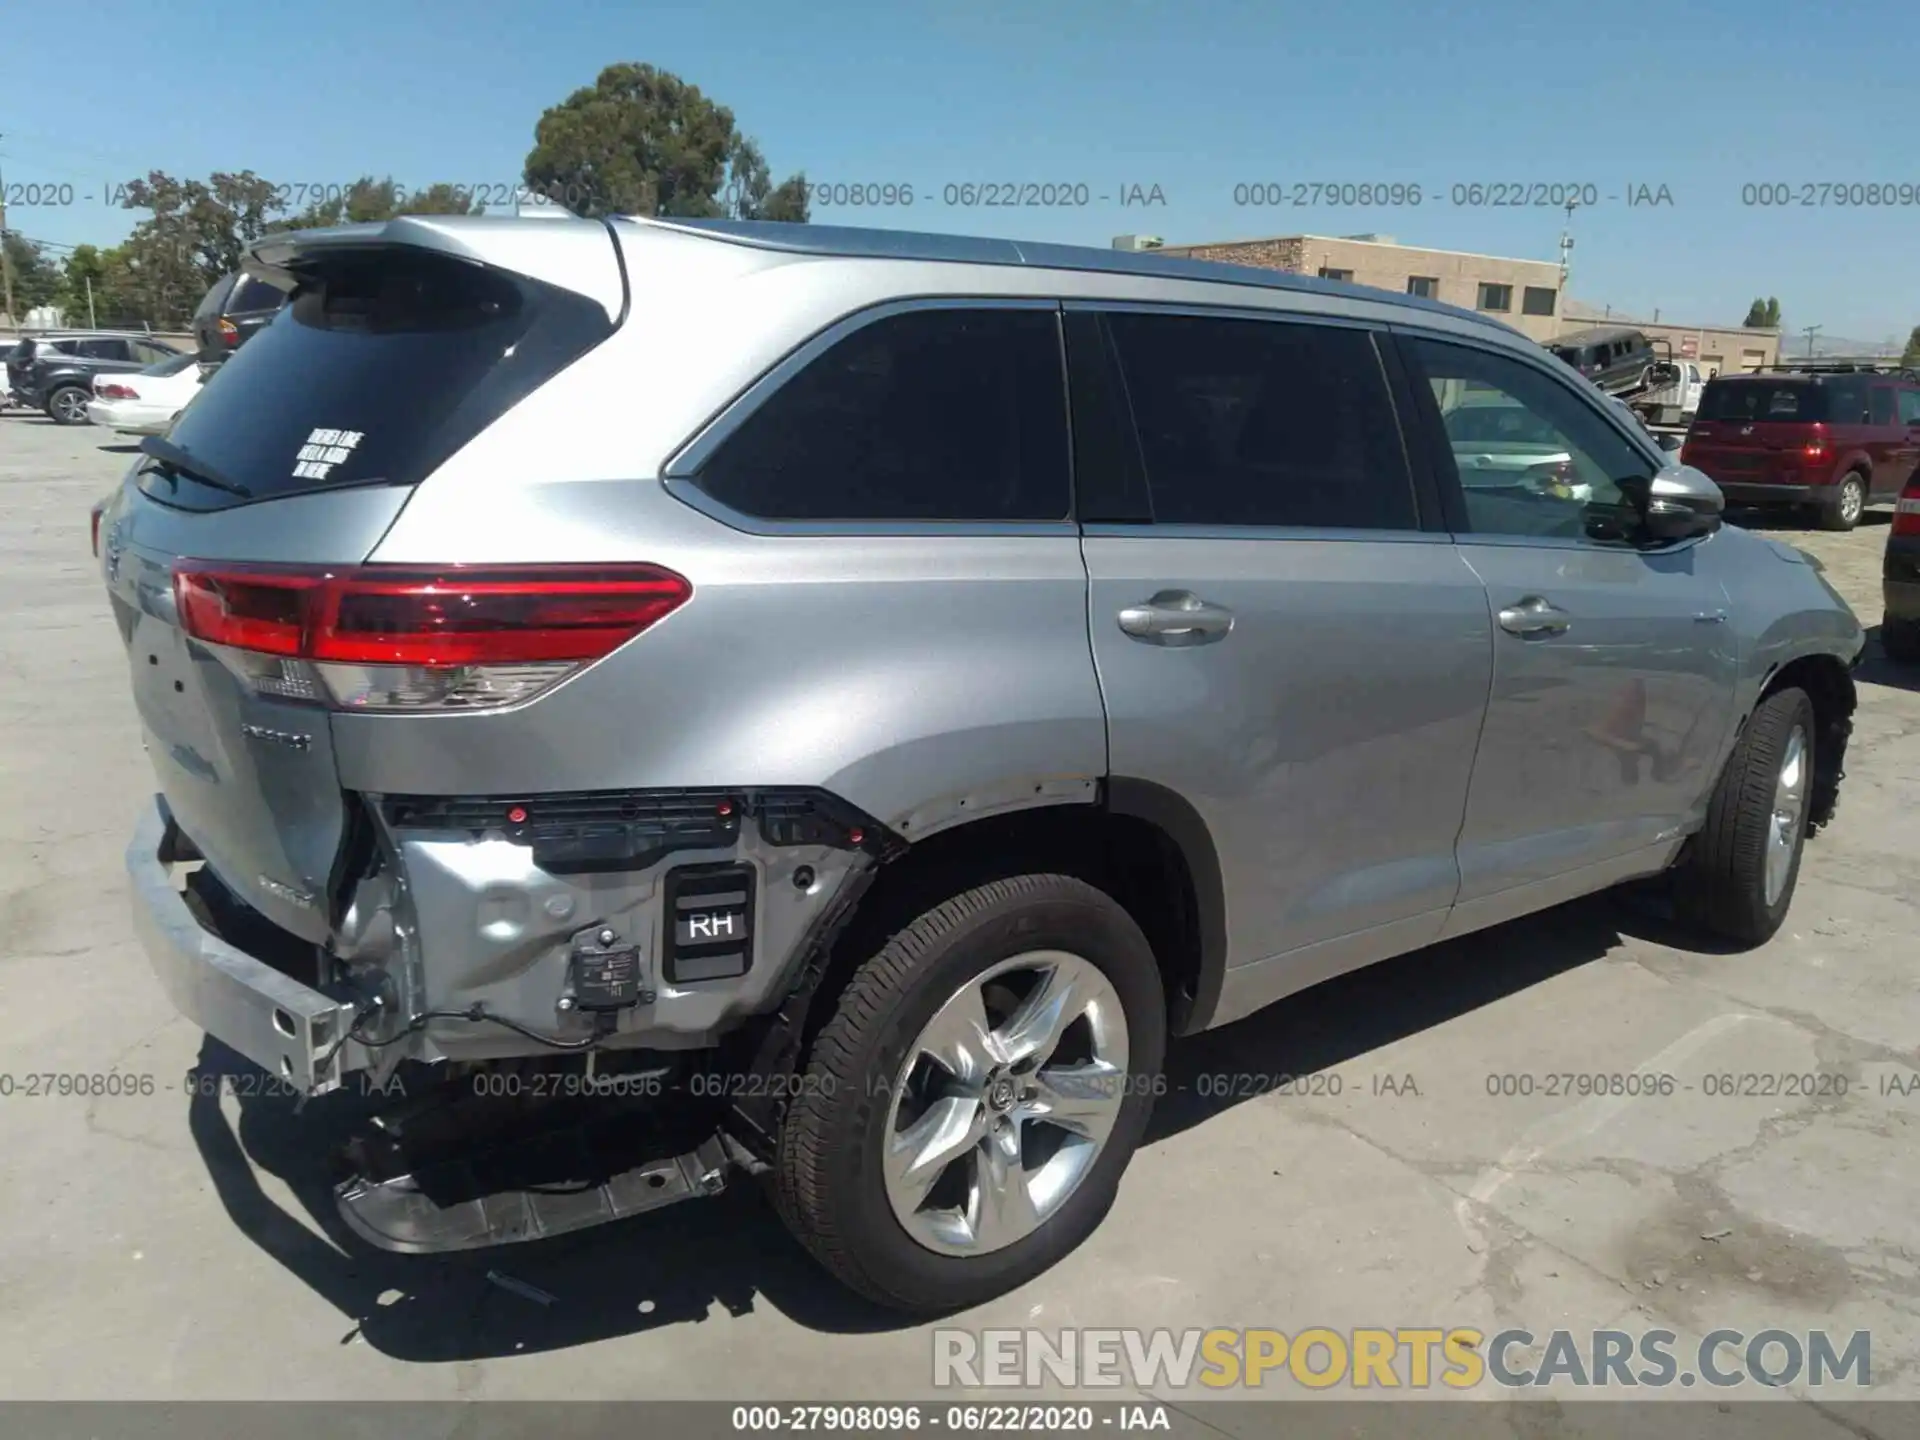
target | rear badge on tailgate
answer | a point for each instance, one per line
(278, 737)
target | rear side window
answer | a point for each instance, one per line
(215, 298)
(1263, 423)
(937, 414)
(251, 295)
(1880, 406)
(1910, 407)
(1780, 402)
(387, 361)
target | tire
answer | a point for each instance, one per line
(1725, 887)
(68, 405)
(831, 1179)
(1849, 502)
(1900, 639)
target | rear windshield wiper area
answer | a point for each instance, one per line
(174, 461)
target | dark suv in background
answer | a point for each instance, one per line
(233, 311)
(1616, 358)
(1836, 442)
(54, 371)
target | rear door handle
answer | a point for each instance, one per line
(1534, 616)
(1176, 617)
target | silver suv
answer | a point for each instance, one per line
(680, 699)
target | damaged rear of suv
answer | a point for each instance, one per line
(486, 752)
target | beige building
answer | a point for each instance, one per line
(1523, 293)
(1716, 348)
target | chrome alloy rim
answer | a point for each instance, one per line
(1789, 812)
(1852, 500)
(1004, 1102)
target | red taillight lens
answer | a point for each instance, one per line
(1906, 511)
(493, 618)
(229, 332)
(111, 391)
(248, 610)
(401, 637)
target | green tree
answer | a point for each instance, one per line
(749, 193)
(1911, 356)
(195, 232)
(368, 199)
(1763, 314)
(642, 141)
(36, 279)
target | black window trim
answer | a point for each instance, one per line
(1431, 524)
(1432, 441)
(679, 475)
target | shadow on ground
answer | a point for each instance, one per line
(1793, 517)
(1877, 669)
(674, 1266)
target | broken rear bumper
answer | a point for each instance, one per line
(287, 1028)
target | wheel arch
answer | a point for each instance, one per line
(1828, 683)
(1139, 842)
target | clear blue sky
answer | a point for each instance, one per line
(1194, 97)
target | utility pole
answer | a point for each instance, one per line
(1810, 331)
(6, 255)
(1566, 245)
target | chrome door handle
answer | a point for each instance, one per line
(1176, 617)
(1534, 616)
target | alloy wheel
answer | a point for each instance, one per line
(1787, 820)
(1004, 1102)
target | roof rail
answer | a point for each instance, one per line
(856, 242)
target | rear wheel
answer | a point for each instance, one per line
(1900, 639)
(967, 1110)
(68, 405)
(1849, 500)
(1740, 876)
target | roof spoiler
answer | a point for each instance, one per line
(572, 253)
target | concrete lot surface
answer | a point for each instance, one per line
(157, 1247)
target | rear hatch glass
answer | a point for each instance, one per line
(1777, 402)
(386, 361)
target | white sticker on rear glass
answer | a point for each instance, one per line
(324, 450)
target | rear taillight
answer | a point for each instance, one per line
(388, 637)
(1816, 447)
(108, 390)
(229, 332)
(1906, 510)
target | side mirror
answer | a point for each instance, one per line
(1675, 504)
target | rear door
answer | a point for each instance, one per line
(1887, 445)
(1613, 667)
(107, 355)
(1907, 400)
(300, 452)
(1279, 640)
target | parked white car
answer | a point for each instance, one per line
(144, 402)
